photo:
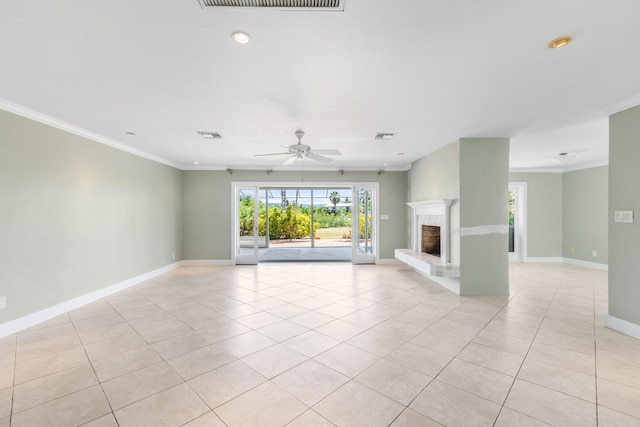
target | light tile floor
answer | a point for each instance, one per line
(327, 344)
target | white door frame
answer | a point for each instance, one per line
(520, 227)
(235, 185)
(245, 258)
(358, 256)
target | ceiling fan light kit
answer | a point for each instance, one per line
(300, 150)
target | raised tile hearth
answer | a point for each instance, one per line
(427, 264)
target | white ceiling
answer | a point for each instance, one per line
(432, 71)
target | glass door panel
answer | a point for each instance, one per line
(363, 225)
(512, 221)
(246, 229)
(517, 221)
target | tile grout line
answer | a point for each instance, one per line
(353, 379)
(163, 360)
(595, 346)
(562, 291)
(515, 377)
(452, 358)
(551, 301)
(13, 386)
(96, 374)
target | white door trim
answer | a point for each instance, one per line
(358, 257)
(520, 229)
(296, 184)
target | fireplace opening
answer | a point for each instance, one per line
(431, 240)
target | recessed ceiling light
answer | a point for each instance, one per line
(241, 37)
(196, 162)
(560, 42)
(130, 134)
(399, 154)
(210, 135)
(384, 136)
(385, 164)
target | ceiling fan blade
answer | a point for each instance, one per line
(329, 152)
(269, 154)
(319, 158)
(290, 159)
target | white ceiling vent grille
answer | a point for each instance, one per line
(317, 5)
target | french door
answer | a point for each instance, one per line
(249, 235)
(250, 217)
(363, 225)
(517, 221)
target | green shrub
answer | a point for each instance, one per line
(287, 224)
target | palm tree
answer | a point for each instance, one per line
(334, 198)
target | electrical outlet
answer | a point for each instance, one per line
(623, 216)
(173, 255)
(3, 302)
(570, 250)
(594, 253)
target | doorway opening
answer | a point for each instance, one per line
(517, 200)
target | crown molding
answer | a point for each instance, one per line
(68, 127)
(625, 104)
(535, 170)
(571, 168)
(587, 166)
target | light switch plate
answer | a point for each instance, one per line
(623, 216)
(384, 216)
(3, 302)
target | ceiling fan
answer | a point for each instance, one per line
(300, 150)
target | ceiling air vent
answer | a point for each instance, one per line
(316, 5)
(384, 136)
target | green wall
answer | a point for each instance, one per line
(585, 214)
(567, 210)
(484, 179)
(437, 176)
(473, 172)
(77, 216)
(207, 207)
(544, 213)
(624, 194)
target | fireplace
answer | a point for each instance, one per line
(434, 214)
(430, 227)
(430, 240)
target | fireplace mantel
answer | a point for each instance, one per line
(433, 205)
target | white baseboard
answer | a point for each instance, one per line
(622, 326)
(191, 262)
(32, 319)
(588, 264)
(388, 261)
(544, 259)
